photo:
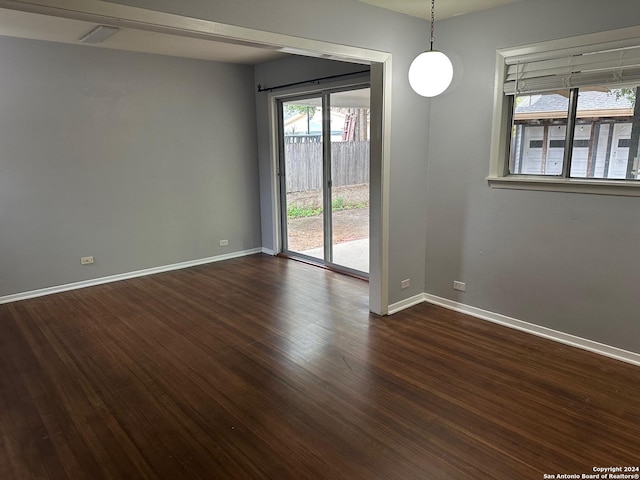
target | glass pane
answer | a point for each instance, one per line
(539, 133)
(603, 134)
(302, 122)
(350, 178)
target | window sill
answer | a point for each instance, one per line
(573, 185)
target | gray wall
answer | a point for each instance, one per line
(565, 261)
(139, 160)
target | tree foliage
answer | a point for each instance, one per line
(291, 109)
(627, 93)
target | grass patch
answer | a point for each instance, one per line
(295, 211)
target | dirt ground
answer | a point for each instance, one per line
(306, 233)
(350, 194)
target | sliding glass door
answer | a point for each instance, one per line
(324, 172)
(350, 179)
(302, 173)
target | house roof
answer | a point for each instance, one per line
(590, 104)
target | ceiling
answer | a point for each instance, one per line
(443, 8)
(44, 27)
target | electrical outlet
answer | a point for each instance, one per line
(224, 243)
(86, 260)
(405, 284)
(460, 286)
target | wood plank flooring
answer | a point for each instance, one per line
(266, 368)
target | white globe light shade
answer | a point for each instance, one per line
(430, 73)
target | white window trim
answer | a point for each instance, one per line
(499, 164)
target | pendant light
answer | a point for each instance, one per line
(430, 72)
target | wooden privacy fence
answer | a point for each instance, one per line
(303, 163)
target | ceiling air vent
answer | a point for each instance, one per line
(99, 34)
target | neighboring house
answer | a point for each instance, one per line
(300, 128)
(602, 135)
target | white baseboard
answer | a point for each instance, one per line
(409, 302)
(267, 251)
(561, 337)
(124, 276)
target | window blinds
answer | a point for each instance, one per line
(614, 64)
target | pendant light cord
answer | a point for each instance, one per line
(433, 20)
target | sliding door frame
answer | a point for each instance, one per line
(324, 93)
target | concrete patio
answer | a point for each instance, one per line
(353, 254)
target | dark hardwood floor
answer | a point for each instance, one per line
(262, 367)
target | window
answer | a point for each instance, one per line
(566, 116)
(600, 147)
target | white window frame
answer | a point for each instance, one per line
(499, 176)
